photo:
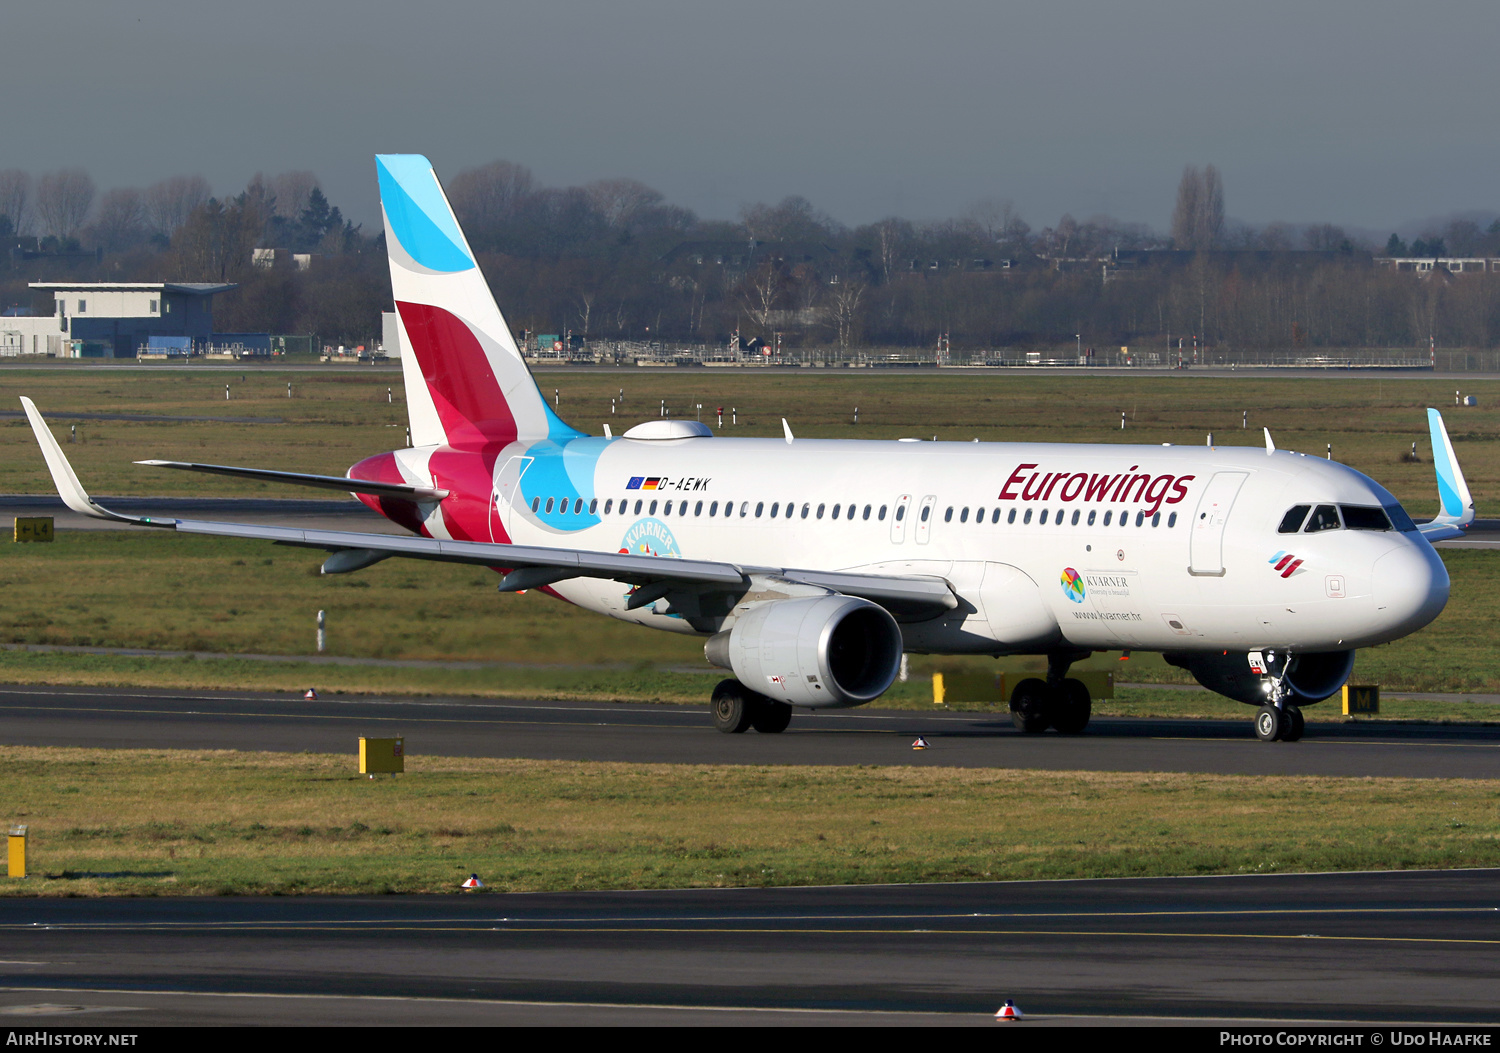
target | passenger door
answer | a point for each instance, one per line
(505, 495)
(1207, 541)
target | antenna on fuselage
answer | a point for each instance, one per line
(1270, 446)
(787, 429)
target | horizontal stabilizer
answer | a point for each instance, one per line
(322, 482)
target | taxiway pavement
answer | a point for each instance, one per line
(601, 731)
(1392, 947)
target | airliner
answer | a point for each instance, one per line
(809, 567)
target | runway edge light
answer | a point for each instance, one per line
(1009, 1012)
(472, 883)
(310, 694)
(920, 744)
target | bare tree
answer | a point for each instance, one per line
(291, 192)
(15, 193)
(490, 194)
(762, 292)
(63, 200)
(169, 203)
(620, 200)
(121, 220)
(1324, 237)
(1198, 218)
(843, 300)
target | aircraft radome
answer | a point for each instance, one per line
(810, 566)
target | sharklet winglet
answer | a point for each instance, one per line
(66, 480)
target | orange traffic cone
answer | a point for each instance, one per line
(1009, 1012)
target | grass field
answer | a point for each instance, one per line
(165, 823)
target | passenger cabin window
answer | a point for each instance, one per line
(1010, 518)
(760, 506)
(698, 509)
(637, 508)
(963, 515)
(1360, 517)
(775, 508)
(925, 513)
(1107, 516)
(1074, 520)
(1324, 517)
(609, 506)
(1292, 521)
(594, 506)
(900, 513)
(536, 503)
(1092, 514)
(549, 504)
(881, 516)
(1027, 517)
(866, 513)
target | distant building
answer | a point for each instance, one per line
(109, 319)
(1451, 264)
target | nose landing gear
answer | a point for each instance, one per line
(1284, 723)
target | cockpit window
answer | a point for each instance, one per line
(1324, 517)
(1400, 519)
(1358, 517)
(1292, 521)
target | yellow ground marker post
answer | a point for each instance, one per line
(33, 528)
(1361, 700)
(18, 851)
(382, 756)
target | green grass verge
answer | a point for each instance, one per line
(198, 822)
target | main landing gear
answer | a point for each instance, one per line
(1283, 723)
(1058, 702)
(737, 709)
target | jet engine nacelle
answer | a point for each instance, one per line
(822, 651)
(1310, 677)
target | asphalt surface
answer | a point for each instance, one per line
(128, 718)
(1394, 947)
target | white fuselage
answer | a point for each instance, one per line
(1047, 546)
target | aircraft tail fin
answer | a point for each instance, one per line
(1453, 490)
(466, 382)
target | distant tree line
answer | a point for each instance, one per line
(613, 260)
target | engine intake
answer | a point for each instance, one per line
(1310, 677)
(823, 651)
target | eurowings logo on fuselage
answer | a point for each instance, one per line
(1093, 487)
(1285, 563)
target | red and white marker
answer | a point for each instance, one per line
(310, 694)
(1009, 1011)
(920, 744)
(474, 883)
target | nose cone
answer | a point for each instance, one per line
(1410, 587)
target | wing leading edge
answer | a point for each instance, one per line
(527, 566)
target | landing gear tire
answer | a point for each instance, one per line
(1072, 708)
(1269, 724)
(734, 706)
(1031, 705)
(1292, 718)
(771, 718)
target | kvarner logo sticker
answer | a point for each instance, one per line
(1072, 585)
(650, 537)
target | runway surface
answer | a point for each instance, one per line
(602, 731)
(1411, 947)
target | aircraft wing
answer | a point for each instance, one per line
(324, 482)
(1457, 503)
(528, 566)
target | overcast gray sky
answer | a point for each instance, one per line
(1360, 112)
